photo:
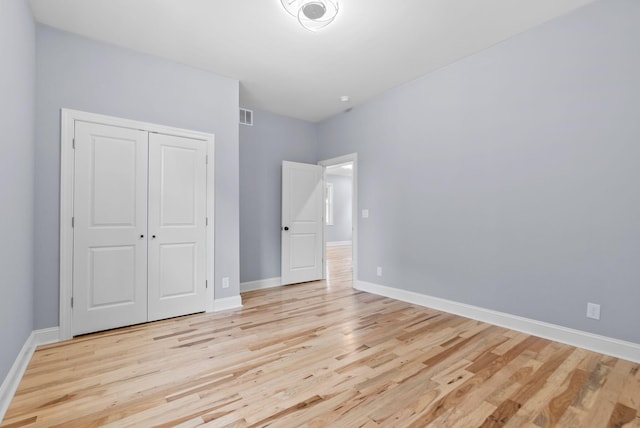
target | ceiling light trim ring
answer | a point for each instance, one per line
(312, 14)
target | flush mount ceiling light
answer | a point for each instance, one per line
(312, 14)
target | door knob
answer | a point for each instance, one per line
(286, 228)
(141, 236)
(153, 236)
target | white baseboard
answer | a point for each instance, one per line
(12, 381)
(338, 243)
(46, 336)
(260, 284)
(582, 339)
(233, 302)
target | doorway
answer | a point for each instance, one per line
(340, 218)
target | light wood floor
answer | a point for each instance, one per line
(322, 354)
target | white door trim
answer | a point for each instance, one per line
(353, 157)
(68, 118)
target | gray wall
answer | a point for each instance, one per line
(342, 194)
(17, 111)
(77, 73)
(263, 147)
(509, 180)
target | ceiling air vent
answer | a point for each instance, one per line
(246, 117)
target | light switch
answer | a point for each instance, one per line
(365, 213)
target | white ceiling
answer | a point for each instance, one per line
(372, 46)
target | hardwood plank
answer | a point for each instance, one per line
(621, 416)
(323, 354)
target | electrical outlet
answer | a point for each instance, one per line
(365, 213)
(225, 282)
(593, 311)
(379, 271)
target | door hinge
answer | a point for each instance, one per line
(206, 283)
(72, 302)
(73, 222)
(206, 221)
(73, 144)
(206, 159)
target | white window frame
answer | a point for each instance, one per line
(328, 204)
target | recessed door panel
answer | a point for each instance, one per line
(110, 227)
(177, 226)
(177, 270)
(303, 252)
(112, 276)
(304, 205)
(113, 172)
(179, 186)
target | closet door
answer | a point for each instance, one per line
(110, 227)
(177, 226)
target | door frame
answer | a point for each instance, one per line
(68, 118)
(352, 157)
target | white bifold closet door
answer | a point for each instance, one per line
(177, 225)
(139, 227)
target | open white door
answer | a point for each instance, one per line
(177, 226)
(110, 239)
(302, 225)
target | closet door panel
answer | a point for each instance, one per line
(110, 224)
(177, 226)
